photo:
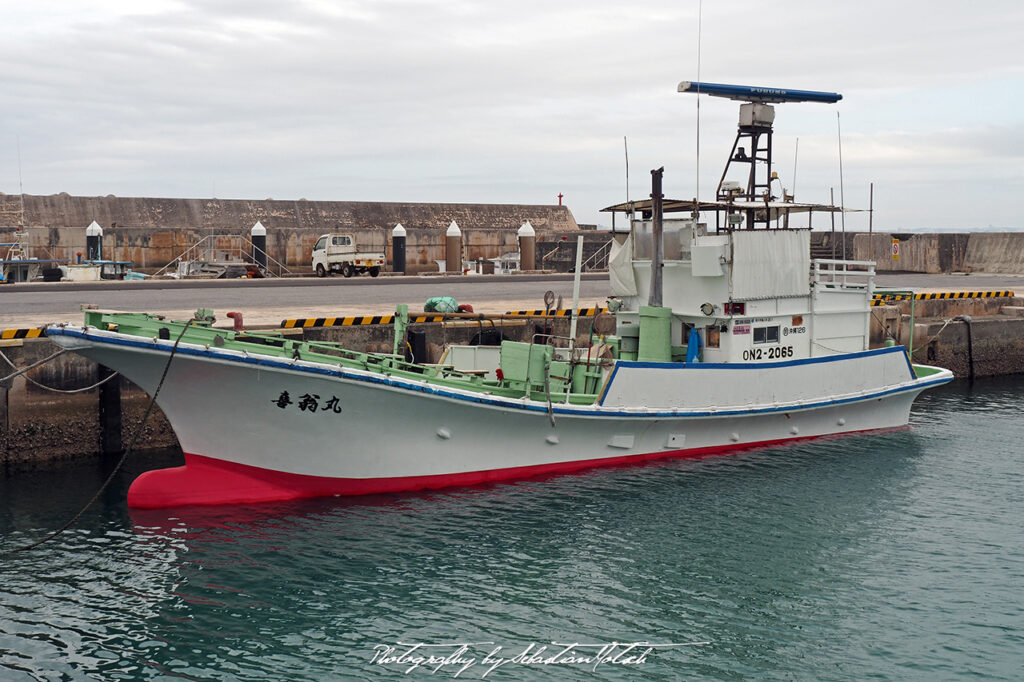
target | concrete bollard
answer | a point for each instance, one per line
(453, 249)
(94, 242)
(527, 247)
(398, 249)
(258, 237)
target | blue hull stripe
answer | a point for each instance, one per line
(512, 403)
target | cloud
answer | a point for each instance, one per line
(497, 102)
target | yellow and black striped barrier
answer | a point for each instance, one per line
(9, 334)
(581, 312)
(353, 321)
(360, 320)
(883, 298)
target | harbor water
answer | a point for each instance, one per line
(895, 556)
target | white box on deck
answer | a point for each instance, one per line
(756, 114)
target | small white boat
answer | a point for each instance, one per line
(725, 338)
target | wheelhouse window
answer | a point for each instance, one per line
(713, 336)
(766, 334)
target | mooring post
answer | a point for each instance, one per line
(528, 247)
(110, 413)
(398, 249)
(258, 239)
(4, 422)
(453, 249)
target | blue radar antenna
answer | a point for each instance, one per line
(753, 93)
(756, 118)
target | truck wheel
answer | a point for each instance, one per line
(374, 271)
(346, 270)
(320, 272)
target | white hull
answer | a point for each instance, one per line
(398, 434)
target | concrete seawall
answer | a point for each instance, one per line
(39, 425)
(1000, 252)
(985, 346)
(989, 252)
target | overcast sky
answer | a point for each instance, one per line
(513, 102)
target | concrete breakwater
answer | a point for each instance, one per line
(152, 232)
(989, 252)
(977, 337)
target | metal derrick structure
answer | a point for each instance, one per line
(750, 205)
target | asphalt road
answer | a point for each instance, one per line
(267, 302)
(972, 282)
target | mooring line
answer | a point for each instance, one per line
(50, 388)
(32, 366)
(124, 456)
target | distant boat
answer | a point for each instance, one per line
(16, 266)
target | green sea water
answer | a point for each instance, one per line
(895, 556)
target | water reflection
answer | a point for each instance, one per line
(725, 549)
(780, 558)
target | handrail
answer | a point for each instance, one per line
(594, 261)
(181, 256)
(549, 254)
(243, 250)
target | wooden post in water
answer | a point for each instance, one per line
(4, 423)
(110, 413)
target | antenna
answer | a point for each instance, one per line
(842, 200)
(17, 251)
(21, 188)
(871, 207)
(625, 146)
(832, 214)
(796, 153)
(696, 196)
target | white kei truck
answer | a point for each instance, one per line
(337, 253)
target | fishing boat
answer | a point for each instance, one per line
(727, 336)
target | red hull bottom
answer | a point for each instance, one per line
(208, 481)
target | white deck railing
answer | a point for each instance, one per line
(843, 274)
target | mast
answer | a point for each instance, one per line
(657, 257)
(754, 132)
